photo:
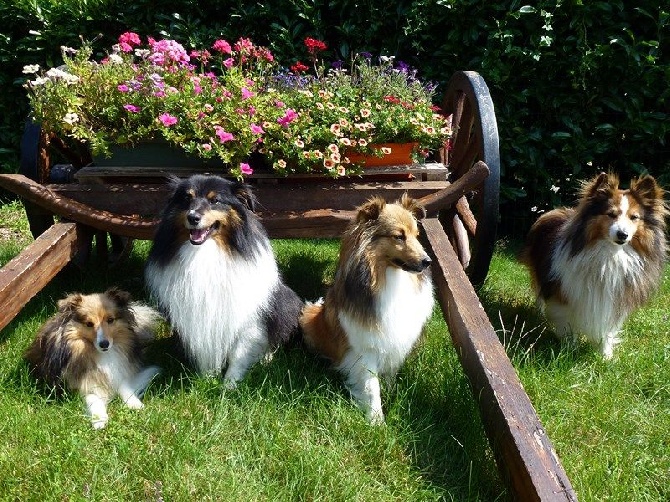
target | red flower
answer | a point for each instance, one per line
(299, 68)
(314, 46)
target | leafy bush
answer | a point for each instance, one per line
(578, 86)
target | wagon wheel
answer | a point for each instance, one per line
(36, 165)
(471, 223)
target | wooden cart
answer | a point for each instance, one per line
(461, 198)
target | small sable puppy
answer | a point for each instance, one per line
(593, 265)
(94, 345)
(213, 271)
(381, 297)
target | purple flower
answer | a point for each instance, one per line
(256, 129)
(246, 93)
(122, 88)
(132, 108)
(246, 168)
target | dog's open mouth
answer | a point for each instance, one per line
(199, 235)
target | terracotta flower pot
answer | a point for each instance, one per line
(400, 155)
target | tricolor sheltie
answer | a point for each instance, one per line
(213, 271)
(380, 299)
(93, 345)
(593, 265)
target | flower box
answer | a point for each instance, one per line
(231, 102)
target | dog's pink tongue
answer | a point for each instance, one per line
(199, 235)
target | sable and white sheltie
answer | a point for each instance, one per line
(593, 265)
(380, 299)
(93, 345)
(213, 271)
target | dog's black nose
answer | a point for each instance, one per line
(103, 344)
(193, 217)
(425, 263)
(621, 236)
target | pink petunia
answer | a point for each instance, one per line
(222, 46)
(129, 38)
(289, 116)
(256, 129)
(132, 108)
(246, 93)
(223, 135)
(122, 88)
(246, 168)
(229, 63)
(167, 120)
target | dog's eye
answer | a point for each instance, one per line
(89, 324)
(110, 320)
(634, 217)
(399, 237)
(612, 214)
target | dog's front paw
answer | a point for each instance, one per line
(134, 403)
(99, 421)
(229, 384)
(375, 417)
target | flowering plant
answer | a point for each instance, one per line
(208, 103)
(232, 100)
(333, 113)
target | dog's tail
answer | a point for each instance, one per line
(321, 336)
(311, 320)
(146, 321)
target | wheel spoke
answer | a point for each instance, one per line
(461, 241)
(466, 216)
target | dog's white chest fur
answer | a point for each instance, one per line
(402, 308)
(116, 367)
(213, 298)
(595, 283)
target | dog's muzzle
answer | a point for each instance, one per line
(415, 267)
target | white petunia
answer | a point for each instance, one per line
(71, 118)
(31, 68)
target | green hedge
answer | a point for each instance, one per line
(578, 86)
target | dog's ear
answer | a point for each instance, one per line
(243, 193)
(412, 206)
(601, 187)
(70, 303)
(120, 297)
(370, 210)
(647, 190)
(173, 183)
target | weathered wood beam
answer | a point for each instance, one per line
(319, 223)
(26, 274)
(32, 191)
(448, 196)
(524, 453)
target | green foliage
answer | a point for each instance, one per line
(578, 86)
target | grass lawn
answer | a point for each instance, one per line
(291, 432)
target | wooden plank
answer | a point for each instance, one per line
(147, 200)
(524, 453)
(320, 223)
(97, 174)
(26, 274)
